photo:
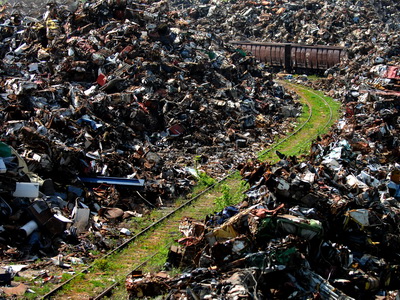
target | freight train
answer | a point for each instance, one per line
(294, 57)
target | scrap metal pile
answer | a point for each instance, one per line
(116, 96)
(325, 226)
(369, 30)
(105, 104)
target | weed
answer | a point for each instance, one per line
(18, 279)
(95, 252)
(43, 290)
(102, 264)
(158, 260)
(204, 179)
(97, 283)
(313, 77)
(174, 272)
(226, 199)
(30, 296)
(65, 276)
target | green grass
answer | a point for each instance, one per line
(205, 180)
(41, 291)
(97, 283)
(66, 276)
(313, 77)
(101, 264)
(229, 196)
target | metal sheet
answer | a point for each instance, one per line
(258, 52)
(313, 58)
(273, 55)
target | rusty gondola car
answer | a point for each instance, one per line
(294, 56)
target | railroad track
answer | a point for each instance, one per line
(327, 123)
(142, 257)
(310, 113)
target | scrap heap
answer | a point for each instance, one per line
(107, 106)
(112, 108)
(321, 226)
(324, 225)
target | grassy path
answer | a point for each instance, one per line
(319, 114)
(150, 251)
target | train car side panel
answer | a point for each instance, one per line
(294, 56)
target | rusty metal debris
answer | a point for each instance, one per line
(321, 227)
(109, 108)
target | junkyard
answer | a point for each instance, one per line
(114, 113)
